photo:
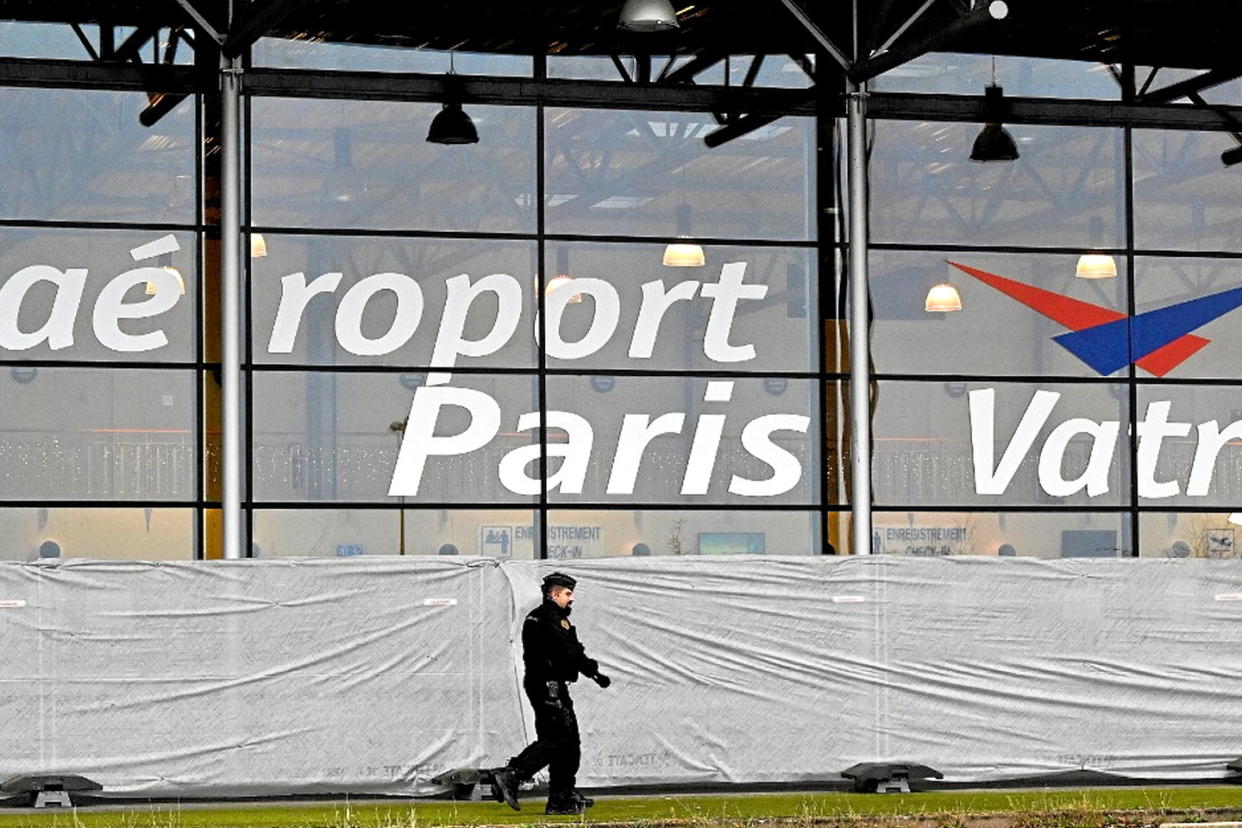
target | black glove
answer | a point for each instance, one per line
(601, 679)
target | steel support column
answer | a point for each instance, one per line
(860, 329)
(230, 287)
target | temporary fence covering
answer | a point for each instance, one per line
(373, 675)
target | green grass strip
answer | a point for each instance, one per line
(944, 808)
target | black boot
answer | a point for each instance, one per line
(505, 783)
(566, 804)
(586, 801)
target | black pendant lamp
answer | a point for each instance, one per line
(994, 143)
(452, 126)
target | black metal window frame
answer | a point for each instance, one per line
(539, 91)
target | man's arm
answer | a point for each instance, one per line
(588, 666)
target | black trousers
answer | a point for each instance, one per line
(556, 742)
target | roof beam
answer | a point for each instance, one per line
(816, 32)
(202, 22)
(938, 39)
(1183, 89)
(525, 91)
(256, 20)
(737, 128)
(908, 107)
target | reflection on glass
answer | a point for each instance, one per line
(772, 71)
(1161, 284)
(1184, 197)
(366, 164)
(613, 173)
(1002, 534)
(924, 189)
(324, 300)
(669, 319)
(965, 74)
(38, 534)
(1190, 534)
(347, 533)
(51, 41)
(950, 443)
(94, 434)
(304, 53)
(43, 316)
(683, 440)
(1155, 79)
(1190, 446)
(1014, 306)
(640, 533)
(321, 436)
(105, 166)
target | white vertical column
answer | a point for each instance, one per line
(230, 277)
(860, 331)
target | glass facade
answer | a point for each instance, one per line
(491, 348)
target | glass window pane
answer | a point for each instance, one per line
(1003, 534)
(1228, 93)
(1184, 197)
(996, 332)
(956, 73)
(358, 321)
(930, 435)
(96, 434)
(325, 163)
(663, 532)
(684, 440)
(52, 41)
(623, 173)
(768, 333)
(32, 534)
(775, 71)
(47, 318)
(212, 437)
(103, 164)
(335, 436)
(1168, 286)
(303, 53)
(1191, 437)
(1064, 190)
(1189, 534)
(345, 533)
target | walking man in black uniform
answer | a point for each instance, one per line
(553, 658)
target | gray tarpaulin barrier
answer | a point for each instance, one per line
(371, 675)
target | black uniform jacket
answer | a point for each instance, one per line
(550, 647)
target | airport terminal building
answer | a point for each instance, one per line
(872, 365)
(523, 283)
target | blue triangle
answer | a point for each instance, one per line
(1113, 345)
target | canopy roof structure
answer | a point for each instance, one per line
(1195, 34)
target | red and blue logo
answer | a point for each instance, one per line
(1157, 340)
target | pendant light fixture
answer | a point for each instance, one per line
(1093, 264)
(258, 246)
(562, 277)
(994, 143)
(165, 264)
(452, 126)
(342, 184)
(684, 253)
(648, 16)
(942, 298)
(1096, 266)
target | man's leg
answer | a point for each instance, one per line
(563, 769)
(547, 703)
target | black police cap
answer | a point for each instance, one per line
(559, 579)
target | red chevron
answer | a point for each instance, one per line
(1078, 315)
